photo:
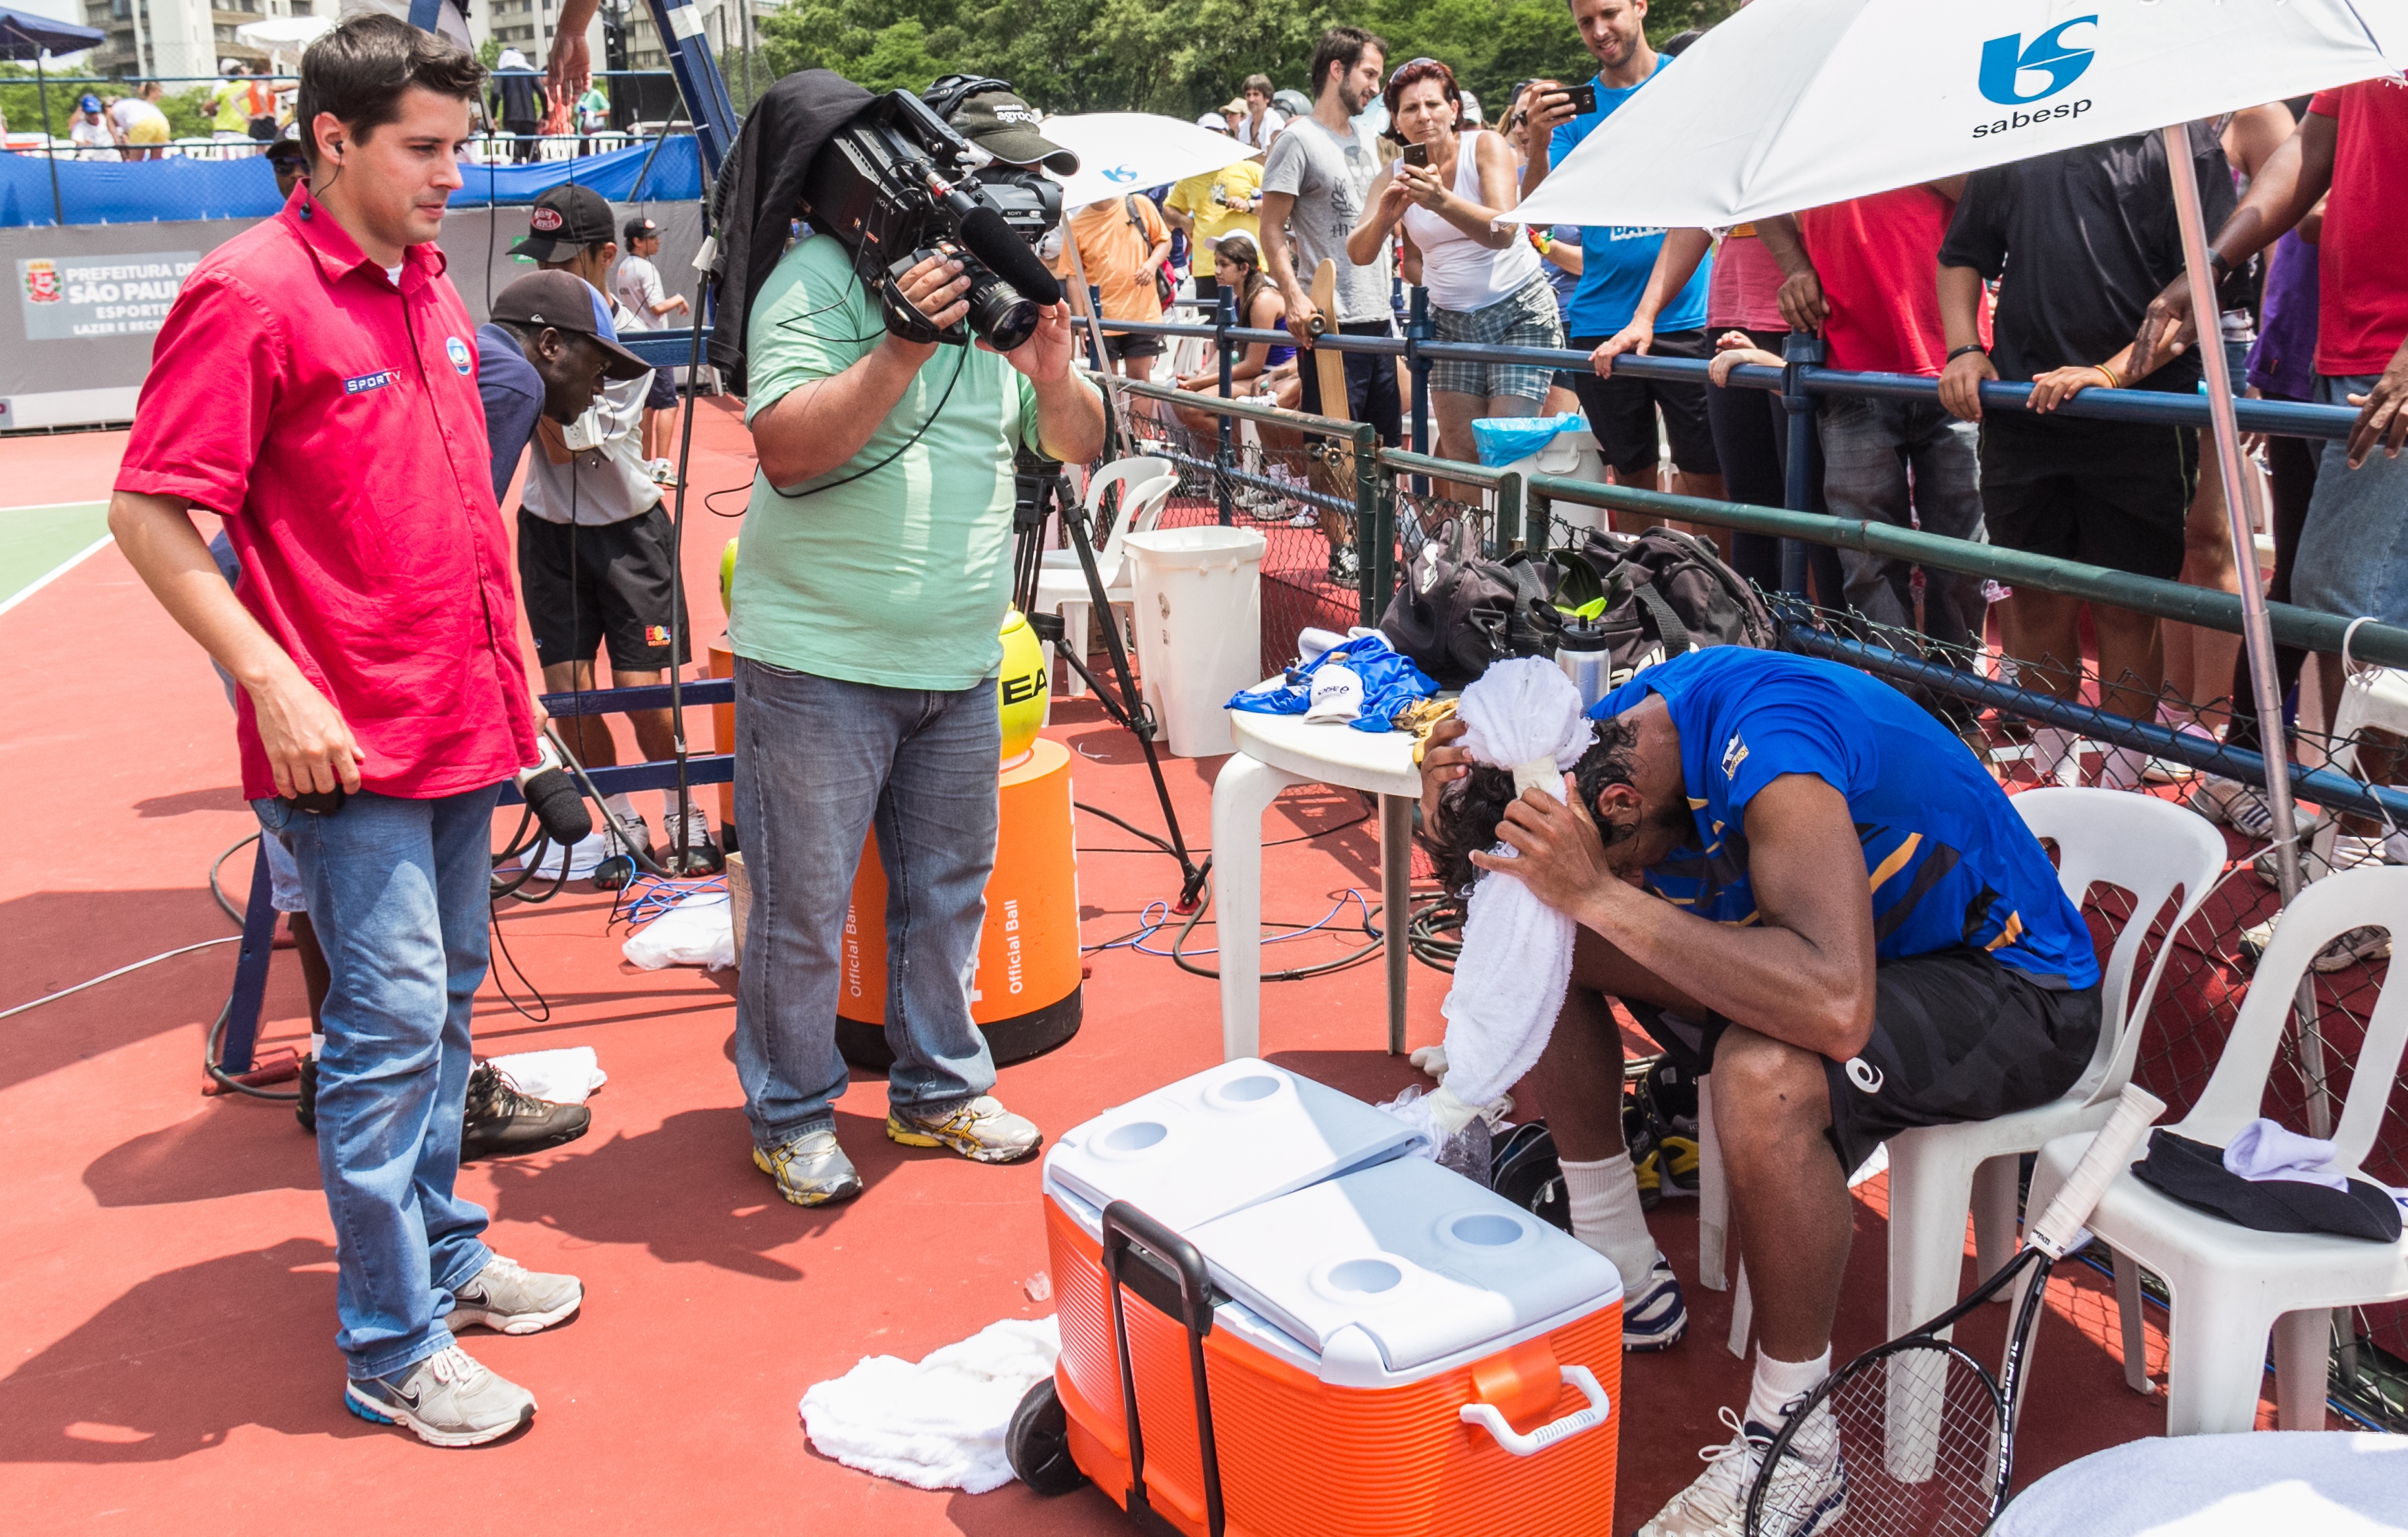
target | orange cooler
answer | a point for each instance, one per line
(1388, 1349)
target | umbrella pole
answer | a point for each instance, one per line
(1119, 403)
(2257, 630)
(49, 151)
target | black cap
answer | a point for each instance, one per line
(1005, 128)
(567, 302)
(567, 219)
(641, 229)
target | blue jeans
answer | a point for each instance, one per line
(818, 762)
(398, 891)
(2354, 549)
(1887, 461)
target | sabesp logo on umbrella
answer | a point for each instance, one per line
(2007, 61)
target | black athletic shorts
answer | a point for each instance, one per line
(1621, 410)
(2112, 494)
(1371, 384)
(610, 583)
(663, 396)
(1119, 345)
(1957, 1037)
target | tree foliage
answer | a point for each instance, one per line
(1181, 59)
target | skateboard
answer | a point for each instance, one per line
(1336, 453)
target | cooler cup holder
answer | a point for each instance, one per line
(1351, 1280)
(1247, 1091)
(1483, 1232)
(1129, 1140)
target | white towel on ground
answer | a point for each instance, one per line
(563, 1076)
(937, 1423)
(1517, 950)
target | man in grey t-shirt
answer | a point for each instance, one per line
(1315, 184)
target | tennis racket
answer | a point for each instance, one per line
(1923, 1435)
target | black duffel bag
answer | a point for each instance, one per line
(1656, 595)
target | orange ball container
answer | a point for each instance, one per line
(1026, 995)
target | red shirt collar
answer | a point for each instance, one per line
(338, 254)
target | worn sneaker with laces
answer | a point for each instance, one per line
(510, 1299)
(981, 1131)
(2232, 804)
(703, 856)
(1655, 1312)
(1808, 1493)
(447, 1399)
(1345, 568)
(2347, 950)
(2322, 850)
(499, 1122)
(811, 1169)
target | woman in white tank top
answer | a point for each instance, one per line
(1484, 281)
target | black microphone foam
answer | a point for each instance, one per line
(558, 804)
(992, 241)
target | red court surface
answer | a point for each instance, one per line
(167, 1264)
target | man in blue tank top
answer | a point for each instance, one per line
(1788, 871)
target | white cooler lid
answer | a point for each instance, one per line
(1222, 1140)
(1420, 1259)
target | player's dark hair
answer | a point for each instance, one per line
(1470, 808)
(359, 70)
(1261, 83)
(1341, 45)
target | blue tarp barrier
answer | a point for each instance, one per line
(97, 191)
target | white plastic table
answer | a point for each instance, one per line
(1273, 752)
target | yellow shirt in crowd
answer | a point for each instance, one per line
(1210, 200)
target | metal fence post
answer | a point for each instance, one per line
(1094, 347)
(1509, 512)
(1224, 314)
(1418, 330)
(1800, 352)
(1375, 521)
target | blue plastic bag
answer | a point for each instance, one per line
(1390, 682)
(1502, 440)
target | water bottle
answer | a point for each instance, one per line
(1584, 656)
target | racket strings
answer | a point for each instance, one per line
(1906, 1445)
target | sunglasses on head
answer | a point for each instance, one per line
(1409, 63)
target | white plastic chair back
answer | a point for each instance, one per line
(2144, 845)
(2318, 914)
(1132, 475)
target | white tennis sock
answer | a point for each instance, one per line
(1604, 1201)
(2120, 768)
(1778, 1381)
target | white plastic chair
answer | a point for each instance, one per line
(2149, 847)
(2233, 1286)
(1146, 484)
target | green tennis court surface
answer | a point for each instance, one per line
(36, 540)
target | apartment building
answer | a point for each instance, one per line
(168, 39)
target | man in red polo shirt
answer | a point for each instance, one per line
(315, 387)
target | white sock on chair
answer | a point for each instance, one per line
(1604, 1201)
(1778, 1381)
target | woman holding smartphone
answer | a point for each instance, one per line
(1485, 283)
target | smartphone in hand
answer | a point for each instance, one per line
(1584, 99)
(1417, 154)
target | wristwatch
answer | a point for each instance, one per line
(2220, 266)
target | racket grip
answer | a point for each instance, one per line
(2135, 1112)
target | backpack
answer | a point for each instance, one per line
(1165, 290)
(1656, 595)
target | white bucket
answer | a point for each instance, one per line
(1199, 628)
(1571, 456)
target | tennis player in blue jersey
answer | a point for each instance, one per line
(1788, 871)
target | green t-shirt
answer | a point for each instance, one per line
(896, 575)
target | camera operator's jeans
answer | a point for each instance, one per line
(818, 762)
(399, 892)
(1869, 446)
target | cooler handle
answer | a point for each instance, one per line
(1486, 1416)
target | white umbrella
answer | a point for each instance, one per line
(283, 34)
(1122, 152)
(1793, 104)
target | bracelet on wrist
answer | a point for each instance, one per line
(1955, 352)
(2108, 374)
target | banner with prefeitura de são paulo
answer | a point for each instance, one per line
(68, 298)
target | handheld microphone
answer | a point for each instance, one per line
(559, 806)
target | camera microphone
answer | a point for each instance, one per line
(558, 805)
(991, 240)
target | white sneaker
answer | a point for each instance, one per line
(447, 1399)
(1808, 1496)
(2232, 804)
(2325, 850)
(2344, 951)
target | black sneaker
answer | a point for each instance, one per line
(306, 1110)
(1345, 568)
(502, 1122)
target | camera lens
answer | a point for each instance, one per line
(998, 313)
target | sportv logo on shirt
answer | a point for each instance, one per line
(2005, 61)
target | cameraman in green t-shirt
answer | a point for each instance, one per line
(874, 574)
